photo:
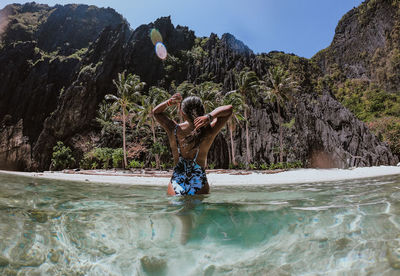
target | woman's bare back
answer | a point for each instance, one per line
(209, 125)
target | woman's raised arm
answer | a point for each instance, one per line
(161, 117)
(216, 118)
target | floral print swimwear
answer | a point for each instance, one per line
(188, 176)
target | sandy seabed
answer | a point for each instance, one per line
(217, 177)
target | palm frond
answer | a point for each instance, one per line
(278, 86)
(111, 97)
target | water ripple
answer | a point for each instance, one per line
(344, 227)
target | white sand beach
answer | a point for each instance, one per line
(218, 177)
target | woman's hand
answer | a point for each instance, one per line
(175, 99)
(201, 121)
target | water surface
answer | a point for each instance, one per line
(52, 227)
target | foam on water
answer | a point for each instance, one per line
(51, 227)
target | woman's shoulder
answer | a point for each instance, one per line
(182, 126)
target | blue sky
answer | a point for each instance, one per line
(302, 27)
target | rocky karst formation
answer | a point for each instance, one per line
(52, 80)
(32, 79)
(366, 45)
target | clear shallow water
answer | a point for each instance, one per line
(67, 228)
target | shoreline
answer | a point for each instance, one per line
(215, 177)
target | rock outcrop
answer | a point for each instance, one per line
(54, 97)
(366, 45)
(15, 150)
(33, 81)
(324, 134)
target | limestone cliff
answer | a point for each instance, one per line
(362, 67)
(366, 45)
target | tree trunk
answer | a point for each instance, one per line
(232, 146)
(247, 140)
(280, 136)
(125, 165)
(155, 141)
(179, 114)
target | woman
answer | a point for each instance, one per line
(190, 141)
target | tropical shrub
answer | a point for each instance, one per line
(387, 129)
(134, 164)
(62, 157)
(118, 157)
(275, 166)
(167, 165)
(160, 149)
(253, 166)
(284, 165)
(102, 158)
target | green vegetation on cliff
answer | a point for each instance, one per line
(367, 101)
(388, 129)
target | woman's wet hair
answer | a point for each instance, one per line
(193, 108)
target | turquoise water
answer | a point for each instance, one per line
(68, 228)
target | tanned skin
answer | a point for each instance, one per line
(220, 116)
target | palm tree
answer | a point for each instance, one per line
(105, 118)
(104, 114)
(209, 93)
(128, 94)
(186, 89)
(278, 87)
(234, 98)
(247, 84)
(145, 114)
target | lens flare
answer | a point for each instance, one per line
(161, 51)
(155, 36)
